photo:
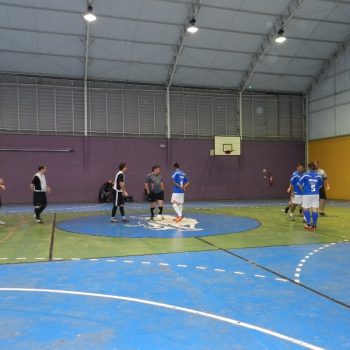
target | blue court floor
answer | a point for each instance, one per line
(206, 300)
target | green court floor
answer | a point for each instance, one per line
(21, 240)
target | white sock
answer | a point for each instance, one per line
(181, 207)
(177, 209)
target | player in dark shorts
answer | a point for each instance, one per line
(324, 188)
(2, 188)
(154, 188)
(39, 188)
(119, 193)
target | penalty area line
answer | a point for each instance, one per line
(171, 307)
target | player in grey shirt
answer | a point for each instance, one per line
(154, 188)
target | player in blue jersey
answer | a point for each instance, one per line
(310, 184)
(181, 183)
(296, 195)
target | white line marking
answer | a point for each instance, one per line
(110, 260)
(76, 259)
(40, 258)
(4, 258)
(239, 273)
(128, 261)
(260, 276)
(145, 262)
(21, 258)
(172, 307)
(93, 259)
(302, 261)
(281, 279)
(163, 264)
(181, 265)
(201, 268)
(220, 270)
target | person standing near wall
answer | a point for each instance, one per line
(119, 192)
(154, 188)
(2, 188)
(310, 184)
(296, 196)
(39, 188)
(324, 188)
(181, 183)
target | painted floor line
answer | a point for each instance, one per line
(172, 307)
(203, 268)
(307, 257)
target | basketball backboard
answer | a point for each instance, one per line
(227, 146)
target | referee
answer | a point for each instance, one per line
(154, 188)
(39, 188)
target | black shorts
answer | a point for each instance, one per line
(117, 201)
(39, 199)
(322, 193)
(153, 197)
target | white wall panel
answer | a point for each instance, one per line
(329, 101)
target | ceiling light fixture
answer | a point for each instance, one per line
(192, 27)
(89, 16)
(280, 38)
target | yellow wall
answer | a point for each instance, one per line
(334, 157)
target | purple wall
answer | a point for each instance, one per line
(76, 176)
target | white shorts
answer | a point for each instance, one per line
(178, 198)
(311, 201)
(297, 199)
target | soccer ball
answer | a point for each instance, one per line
(159, 217)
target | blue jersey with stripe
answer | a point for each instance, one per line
(311, 182)
(180, 178)
(294, 180)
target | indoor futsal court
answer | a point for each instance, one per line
(174, 174)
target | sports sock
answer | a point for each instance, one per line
(286, 210)
(114, 211)
(307, 216)
(177, 209)
(37, 213)
(122, 211)
(181, 207)
(152, 212)
(160, 210)
(314, 217)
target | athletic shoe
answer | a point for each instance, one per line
(179, 218)
(322, 214)
(151, 218)
(39, 221)
(175, 219)
(286, 210)
(291, 217)
(313, 227)
(308, 227)
(2, 223)
(113, 220)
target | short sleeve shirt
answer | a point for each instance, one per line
(154, 182)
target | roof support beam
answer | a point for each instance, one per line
(327, 64)
(181, 42)
(282, 21)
